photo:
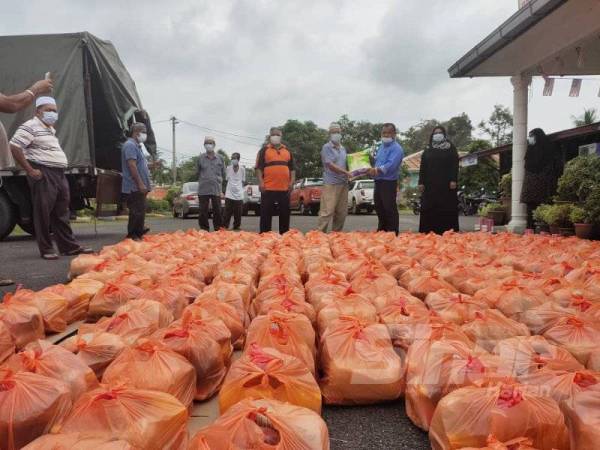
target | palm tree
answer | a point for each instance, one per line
(588, 117)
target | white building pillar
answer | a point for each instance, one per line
(520, 84)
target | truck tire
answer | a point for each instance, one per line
(8, 215)
(303, 209)
(314, 210)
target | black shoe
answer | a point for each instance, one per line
(79, 251)
(145, 231)
(50, 256)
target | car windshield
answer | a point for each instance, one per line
(367, 185)
(313, 182)
(190, 187)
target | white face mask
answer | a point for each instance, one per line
(209, 147)
(438, 137)
(531, 140)
(275, 140)
(387, 140)
(49, 117)
(336, 138)
(142, 138)
(235, 162)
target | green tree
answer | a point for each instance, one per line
(359, 135)
(188, 170)
(484, 175)
(416, 138)
(305, 140)
(225, 156)
(588, 117)
(460, 130)
(499, 126)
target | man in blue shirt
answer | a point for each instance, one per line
(136, 180)
(386, 173)
(334, 195)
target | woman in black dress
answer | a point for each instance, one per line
(542, 170)
(437, 182)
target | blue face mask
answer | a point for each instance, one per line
(387, 140)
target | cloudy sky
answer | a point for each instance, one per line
(240, 66)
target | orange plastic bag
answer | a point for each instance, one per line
(96, 350)
(373, 284)
(440, 367)
(24, 323)
(325, 282)
(540, 318)
(150, 364)
(265, 424)
(490, 326)
(192, 341)
(578, 335)
(513, 444)
(522, 355)
(111, 297)
(582, 415)
(454, 307)
(77, 441)
(359, 364)
(188, 286)
(206, 308)
(289, 333)
(562, 385)
(267, 373)
(52, 307)
(130, 326)
(54, 362)
(594, 361)
(30, 405)
(225, 293)
(84, 263)
(355, 306)
(394, 296)
(150, 420)
(77, 299)
(286, 304)
(173, 298)
(426, 284)
(467, 416)
(7, 344)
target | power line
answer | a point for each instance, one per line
(254, 138)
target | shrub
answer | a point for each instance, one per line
(580, 176)
(578, 215)
(540, 214)
(592, 205)
(153, 205)
(559, 215)
(173, 192)
(505, 185)
(485, 210)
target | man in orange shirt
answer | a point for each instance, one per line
(276, 176)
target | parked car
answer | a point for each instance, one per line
(360, 196)
(251, 199)
(306, 196)
(186, 202)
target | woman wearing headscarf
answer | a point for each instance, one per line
(438, 178)
(541, 172)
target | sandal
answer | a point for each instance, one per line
(50, 256)
(6, 282)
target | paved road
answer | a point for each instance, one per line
(368, 427)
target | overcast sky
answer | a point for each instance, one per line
(243, 65)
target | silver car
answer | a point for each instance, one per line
(186, 202)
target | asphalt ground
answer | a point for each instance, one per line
(383, 426)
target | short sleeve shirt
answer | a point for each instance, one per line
(276, 165)
(210, 175)
(131, 150)
(235, 183)
(40, 144)
(337, 156)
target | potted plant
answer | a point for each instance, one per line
(540, 218)
(558, 217)
(592, 207)
(580, 176)
(505, 187)
(583, 227)
(496, 212)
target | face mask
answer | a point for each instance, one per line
(387, 140)
(235, 162)
(336, 138)
(142, 138)
(438, 137)
(275, 140)
(209, 147)
(531, 140)
(49, 117)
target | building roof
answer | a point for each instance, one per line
(413, 161)
(541, 38)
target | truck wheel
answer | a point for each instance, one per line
(314, 210)
(355, 208)
(8, 215)
(303, 210)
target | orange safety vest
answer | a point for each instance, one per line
(276, 165)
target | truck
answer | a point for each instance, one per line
(306, 196)
(97, 101)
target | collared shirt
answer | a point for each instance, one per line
(336, 156)
(211, 172)
(388, 161)
(235, 183)
(6, 160)
(276, 164)
(132, 150)
(40, 144)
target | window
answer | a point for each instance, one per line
(367, 185)
(313, 182)
(190, 187)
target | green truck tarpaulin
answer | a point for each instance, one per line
(113, 95)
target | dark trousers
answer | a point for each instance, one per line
(268, 200)
(385, 205)
(233, 208)
(215, 201)
(136, 203)
(51, 198)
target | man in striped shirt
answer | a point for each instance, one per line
(36, 149)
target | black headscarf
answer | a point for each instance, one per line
(445, 135)
(538, 155)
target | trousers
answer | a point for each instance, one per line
(334, 207)
(385, 205)
(215, 201)
(268, 200)
(136, 204)
(233, 208)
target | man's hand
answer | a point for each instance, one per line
(453, 185)
(421, 188)
(261, 186)
(42, 87)
(373, 172)
(35, 174)
(143, 189)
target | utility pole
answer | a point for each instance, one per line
(174, 122)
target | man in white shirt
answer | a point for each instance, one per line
(234, 194)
